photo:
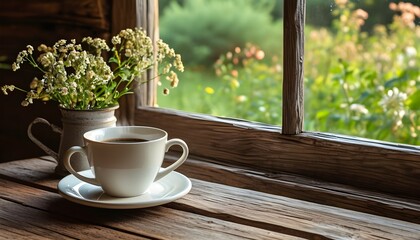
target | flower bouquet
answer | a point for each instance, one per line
(92, 75)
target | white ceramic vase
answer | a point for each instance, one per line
(75, 124)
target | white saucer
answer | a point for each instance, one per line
(169, 188)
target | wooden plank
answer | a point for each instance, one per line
(362, 163)
(286, 185)
(292, 216)
(37, 172)
(264, 211)
(293, 47)
(9, 232)
(12, 44)
(40, 174)
(157, 222)
(87, 13)
(302, 188)
(22, 222)
(124, 15)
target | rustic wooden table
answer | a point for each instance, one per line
(31, 208)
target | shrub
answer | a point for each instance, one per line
(361, 84)
(252, 87)
(203, 30)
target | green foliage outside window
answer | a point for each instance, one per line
(203, 30)
(356, 82)
(361, 84)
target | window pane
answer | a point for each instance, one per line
(232, 53)
(362, 66)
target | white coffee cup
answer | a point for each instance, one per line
(126, 160)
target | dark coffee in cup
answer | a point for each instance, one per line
(125, 140)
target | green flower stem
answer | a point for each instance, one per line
(32, 61)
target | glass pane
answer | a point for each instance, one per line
(231, 50)
(362, 63)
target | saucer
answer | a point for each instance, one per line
(167, 189)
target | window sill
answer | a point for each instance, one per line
(360, 163)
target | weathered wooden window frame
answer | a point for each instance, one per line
(368, 164)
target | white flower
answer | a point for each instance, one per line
(64, 91)
(393, 99)
(411, 51)
(30, 49)
(15, 66)
(241, 98)
(116, 40)
(90, 74)
(128, 53)
(7, 88)
(359, 108)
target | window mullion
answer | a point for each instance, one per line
(293, 52)
(130, 14)
(148, 19)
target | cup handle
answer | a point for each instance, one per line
(165, 171)
(46, 149)
(67, 164)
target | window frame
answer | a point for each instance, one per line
(369, 164)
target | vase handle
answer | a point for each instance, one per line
(46, 149)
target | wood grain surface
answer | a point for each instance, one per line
(209, 211)
(293, 55)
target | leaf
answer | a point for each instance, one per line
(336, 70)
(392, 82)
(368, 75)
(403, 78)
(414, 101)
(322, 114)
(125, 74)
(113, 60)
